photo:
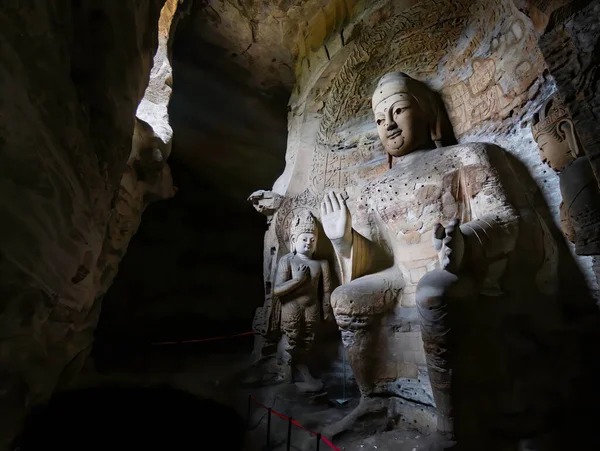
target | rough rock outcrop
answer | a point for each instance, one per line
(72, 76)
(229, 136)
(147, 176)
(272, 40)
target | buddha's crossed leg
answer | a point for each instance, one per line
(360, 307)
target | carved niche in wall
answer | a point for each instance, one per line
(482, 77)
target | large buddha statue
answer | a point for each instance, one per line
(437, 232)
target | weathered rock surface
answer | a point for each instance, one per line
(229, 136)
(486, 61)
(72, 76)
(271, 40)
(147, 176)
(74, 183)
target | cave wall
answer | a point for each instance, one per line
(571, 48)
(484, 59)
(72, 76)
(234, 66)
(147, 176)
(229, 135)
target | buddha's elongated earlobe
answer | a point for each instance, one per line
(567, 128)
(436, 130)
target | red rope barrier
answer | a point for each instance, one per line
(202, 339)
(295, 423)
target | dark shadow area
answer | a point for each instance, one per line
(180, 280)
(193, 269)
(130, 418)
(525, 366)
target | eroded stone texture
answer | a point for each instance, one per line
(571, 53)
(228, 136)
(581, 196)
(147, 176)
(271, 41)
(72, 76)
(484, 60)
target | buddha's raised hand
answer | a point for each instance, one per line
(335, 217)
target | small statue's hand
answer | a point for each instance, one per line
(449, 243)
(303, 273)
(335, 216)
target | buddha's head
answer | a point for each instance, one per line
(554, 134)
(407, 114)
(304, 234)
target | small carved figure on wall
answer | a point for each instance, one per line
(303, 287)
(554, 132)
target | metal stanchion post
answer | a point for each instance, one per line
(289, 437)
(268, 447)
(318, 441)
(341, 401)
(249, 411)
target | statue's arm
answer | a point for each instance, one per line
(284, 283)
(353, 251)
(326, 274)
(492, 234)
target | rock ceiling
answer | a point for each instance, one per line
(266, 37)
(270, 39)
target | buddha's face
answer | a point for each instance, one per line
(402, 125)
(554, 134)
(554, 145)
(306, 243)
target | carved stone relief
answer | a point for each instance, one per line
(288, 209)
(482, 57)
(555, 134)
(581, 197)
(439, 51)
(499, 83)
(421, 41)
(461, 236)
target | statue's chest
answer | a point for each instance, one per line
(413, 200)
(313, 265)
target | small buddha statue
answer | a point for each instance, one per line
(303, 287)
(448, 223)
(554, 132)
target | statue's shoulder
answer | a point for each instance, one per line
(472, 153)
(286, 258)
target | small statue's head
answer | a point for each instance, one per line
(304, 233)
(554, 134)
(407, 113)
